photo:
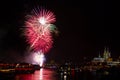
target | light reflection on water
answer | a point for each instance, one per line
(42, 74)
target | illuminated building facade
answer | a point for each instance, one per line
(106, 56)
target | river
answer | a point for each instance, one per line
(42, 74)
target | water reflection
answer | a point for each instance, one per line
(42, 74)
(48, 74)
(65, 77)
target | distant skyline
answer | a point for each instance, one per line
(85, 27)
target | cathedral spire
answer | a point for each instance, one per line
(106, 53)
(99, 55)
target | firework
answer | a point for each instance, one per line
(39, 58)
(38, 30)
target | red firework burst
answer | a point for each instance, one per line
(37, 30)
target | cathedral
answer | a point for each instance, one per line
(106, 56)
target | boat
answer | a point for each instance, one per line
(24, 68)
(6, 71)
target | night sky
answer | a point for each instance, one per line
(85, 28)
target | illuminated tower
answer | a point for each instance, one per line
(106, 54)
